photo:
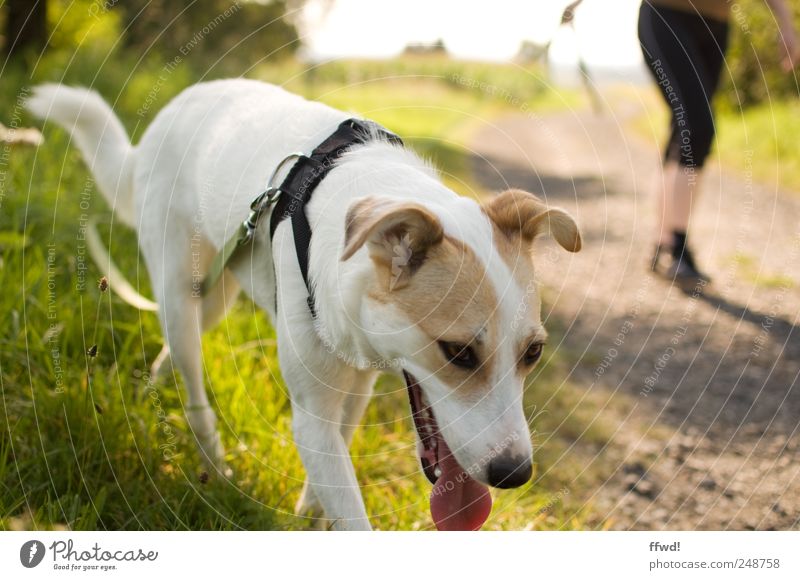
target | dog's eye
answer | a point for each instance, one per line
(532, 354)
(460, 355)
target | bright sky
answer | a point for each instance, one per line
(605, 29)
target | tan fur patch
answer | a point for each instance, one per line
(447, 293)
(519, 213)
(450, 298)
(398, 235)
(516, 218)
(508, 212)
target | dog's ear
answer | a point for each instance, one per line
(398, 234)
(517, 212)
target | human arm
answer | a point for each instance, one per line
(569, 12)
(788, 43)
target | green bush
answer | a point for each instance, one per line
(755, 74)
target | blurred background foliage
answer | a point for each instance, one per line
(261, 29)
(755, 75)
(209, 43)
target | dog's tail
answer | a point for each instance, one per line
(99, 135)
(108, 152)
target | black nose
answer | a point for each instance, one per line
(506, 472)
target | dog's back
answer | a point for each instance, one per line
(218, 143)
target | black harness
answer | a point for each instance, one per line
(290, 198)
(304, 177)
(288, 201)
(295, 193)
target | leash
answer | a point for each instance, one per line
(247, 229)
(288, 200)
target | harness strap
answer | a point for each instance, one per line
(290, 198)
(306, 175)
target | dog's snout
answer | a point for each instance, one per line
(506, 472)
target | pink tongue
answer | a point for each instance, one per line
(458, 502)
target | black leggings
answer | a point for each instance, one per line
(685, 53)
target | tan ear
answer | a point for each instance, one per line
(517, 212)
(397, 234)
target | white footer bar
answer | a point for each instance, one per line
(330, 555)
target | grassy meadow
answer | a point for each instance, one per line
(90, 442)
(759, 140)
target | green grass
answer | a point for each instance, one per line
(88, 443)
(763, 139)
(747, 267)
(758, 142)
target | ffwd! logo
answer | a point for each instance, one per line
(31, 553)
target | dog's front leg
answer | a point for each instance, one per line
(329, 468)
(319, 385)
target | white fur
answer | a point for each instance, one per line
(187, 186)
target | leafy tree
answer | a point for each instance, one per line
(25, 25)
(200, 32)
(238, 31)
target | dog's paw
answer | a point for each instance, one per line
(314, 517)
(308, 507)
(213, 454)
(203, 423)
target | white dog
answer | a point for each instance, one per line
(407, 276)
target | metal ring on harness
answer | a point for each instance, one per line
(266, 198)
(246, 231)
(307, 172)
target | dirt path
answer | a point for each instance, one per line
(712, 378)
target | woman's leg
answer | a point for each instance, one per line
(684, 184)
(684, 53)
(665, 189)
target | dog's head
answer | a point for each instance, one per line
(453, 296)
